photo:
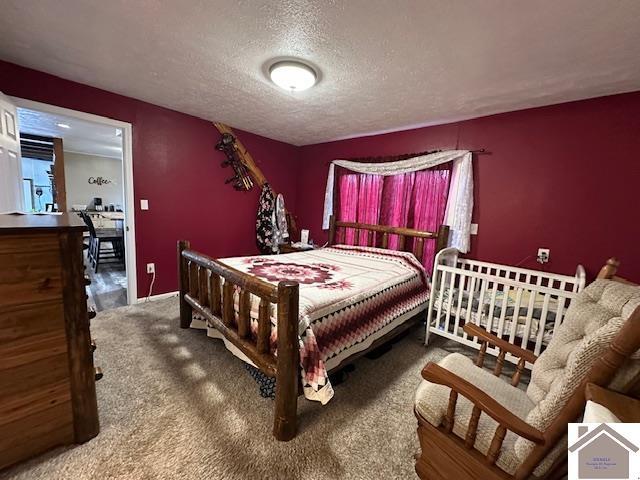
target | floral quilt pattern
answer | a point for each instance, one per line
(347, 294)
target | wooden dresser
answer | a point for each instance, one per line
(47, 377)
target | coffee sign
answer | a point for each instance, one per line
(99, 181)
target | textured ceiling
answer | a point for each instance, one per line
(385, 65)
(82, 136)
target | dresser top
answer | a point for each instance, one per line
(10, 223)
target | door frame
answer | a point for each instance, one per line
(127, 167)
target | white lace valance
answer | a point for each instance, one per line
(460, 200)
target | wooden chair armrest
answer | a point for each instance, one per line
(477, 331)
(627, 409)
(436, 374)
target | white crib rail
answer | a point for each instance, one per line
(486, 288)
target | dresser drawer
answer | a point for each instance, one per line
(25, 321)
(32, 349)
(30, 403)
(47, 386)
(29, 243)
(29, 277)
(41, 431)
(23, 379)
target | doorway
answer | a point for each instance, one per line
(92, 177)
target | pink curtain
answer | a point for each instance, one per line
(360, 197)
(415, 200)
(396, 203)
(429, 205)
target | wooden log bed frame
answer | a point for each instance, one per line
(202, 291)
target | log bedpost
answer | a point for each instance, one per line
(332, 230)
(288, 360)
(610, 269)
(183, 275)
(443, 238)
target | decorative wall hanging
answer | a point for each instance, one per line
(241, 180)
(99, 181)
(265, 224)
(237, 154)
(247, 173)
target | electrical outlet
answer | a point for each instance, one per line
(151, 268)
(474, 229)
(144, 204)
(543, 255)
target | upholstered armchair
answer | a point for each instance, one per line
(473, 424)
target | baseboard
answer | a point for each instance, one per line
(160, 296)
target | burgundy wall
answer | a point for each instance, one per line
(175, 167)
(560, 177)
(564, 177)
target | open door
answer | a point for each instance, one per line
(58, 181)
(11, 194)
(50, 150)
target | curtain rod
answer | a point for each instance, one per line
(391, 158)
(477, 151)
(404, 156)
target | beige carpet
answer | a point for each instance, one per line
(175, 404)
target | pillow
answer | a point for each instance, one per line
(596, 413)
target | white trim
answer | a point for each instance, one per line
(160, 296)
(127, 166)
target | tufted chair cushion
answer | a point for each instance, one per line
(590, 325)
(431, 402)
(592, 321)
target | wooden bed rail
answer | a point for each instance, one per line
(223, 296)
(382, 241)
(210, 288)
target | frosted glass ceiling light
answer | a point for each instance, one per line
(293, 76)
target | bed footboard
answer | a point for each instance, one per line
(210, 288)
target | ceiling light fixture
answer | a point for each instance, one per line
(293, 75)
(63, 125)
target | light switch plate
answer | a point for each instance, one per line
(474, 229)
(144, 204)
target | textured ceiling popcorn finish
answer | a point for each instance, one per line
(384, 65)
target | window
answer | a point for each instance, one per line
(37, 184)
(414, 200)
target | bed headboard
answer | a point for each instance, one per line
(337, 229)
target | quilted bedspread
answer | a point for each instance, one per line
(347, 294)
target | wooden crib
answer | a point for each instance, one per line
(519, 305)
